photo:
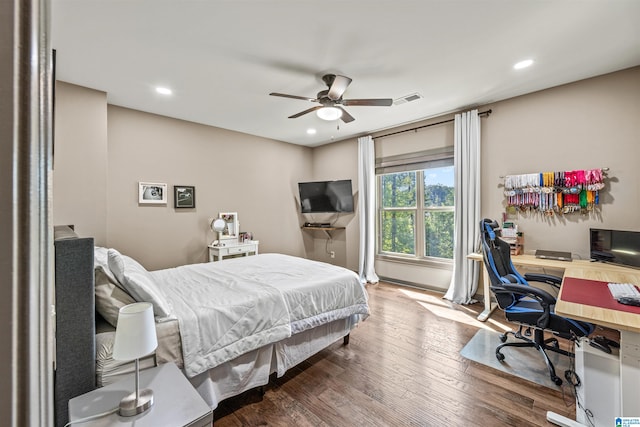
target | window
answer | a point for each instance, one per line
(416, 208)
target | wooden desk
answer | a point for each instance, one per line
(627, 323)
(581, 269)
(614, 319)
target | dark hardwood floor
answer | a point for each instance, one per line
(402, 367)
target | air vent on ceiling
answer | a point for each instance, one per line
(407, 98)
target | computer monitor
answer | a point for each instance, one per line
(615, 246)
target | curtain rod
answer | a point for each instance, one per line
(484, 113)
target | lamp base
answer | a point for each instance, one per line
(130, 406)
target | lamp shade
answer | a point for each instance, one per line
(135, 333)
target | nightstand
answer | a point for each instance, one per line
(176, 402)
(217, 253)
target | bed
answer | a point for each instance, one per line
(229, 325)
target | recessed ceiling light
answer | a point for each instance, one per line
(164, 90)
(311, 131)
(523, 64)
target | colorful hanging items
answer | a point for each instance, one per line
(555, 192)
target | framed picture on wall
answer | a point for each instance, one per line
(152, 193)
(184, 196)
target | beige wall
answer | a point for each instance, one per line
(333, 162)
(232, 172)
(80, 161)
(587, 124)
(102, 152)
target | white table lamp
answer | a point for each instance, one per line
(135, 338)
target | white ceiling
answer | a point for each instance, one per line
(222, 58)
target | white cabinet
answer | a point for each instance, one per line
(217, 253)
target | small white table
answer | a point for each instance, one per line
(176, 402)
(218, 252)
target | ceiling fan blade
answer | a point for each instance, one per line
(346, 117)
(284, 95)
(338, 87)
(382, 102)
(306, 111)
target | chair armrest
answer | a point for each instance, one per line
(543, 278)
(543, 297)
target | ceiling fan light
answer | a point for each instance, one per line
(329, 113)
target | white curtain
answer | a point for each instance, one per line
(367, 209)
(464, 281)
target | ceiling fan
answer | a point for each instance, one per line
(331, 101)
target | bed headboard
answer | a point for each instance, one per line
(75, 372)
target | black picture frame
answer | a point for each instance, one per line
(184, 196)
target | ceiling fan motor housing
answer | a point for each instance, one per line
(323, 98)
(329, 79)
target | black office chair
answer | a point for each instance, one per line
(526, 305)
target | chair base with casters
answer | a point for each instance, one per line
(539, 343)
(529, 307)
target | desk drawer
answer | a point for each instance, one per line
(220, 252)
(238, 250)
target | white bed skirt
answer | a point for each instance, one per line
(252, 369)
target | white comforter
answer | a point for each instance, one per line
(228, 308)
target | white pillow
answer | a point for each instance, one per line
(138, 282)
(101, 261)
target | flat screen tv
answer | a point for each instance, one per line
(615, 246)
(326, 196)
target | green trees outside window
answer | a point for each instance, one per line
(399, 198)
(412, 201)
(438, 234)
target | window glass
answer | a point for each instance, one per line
(399, 190)
(398, 232)
(438, 234)
(438, 186)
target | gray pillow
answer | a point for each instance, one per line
(109, 297)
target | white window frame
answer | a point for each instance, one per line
(417, 163)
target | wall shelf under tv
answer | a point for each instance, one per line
(325, 229)
(309, 227)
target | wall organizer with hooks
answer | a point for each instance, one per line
(553, 193)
